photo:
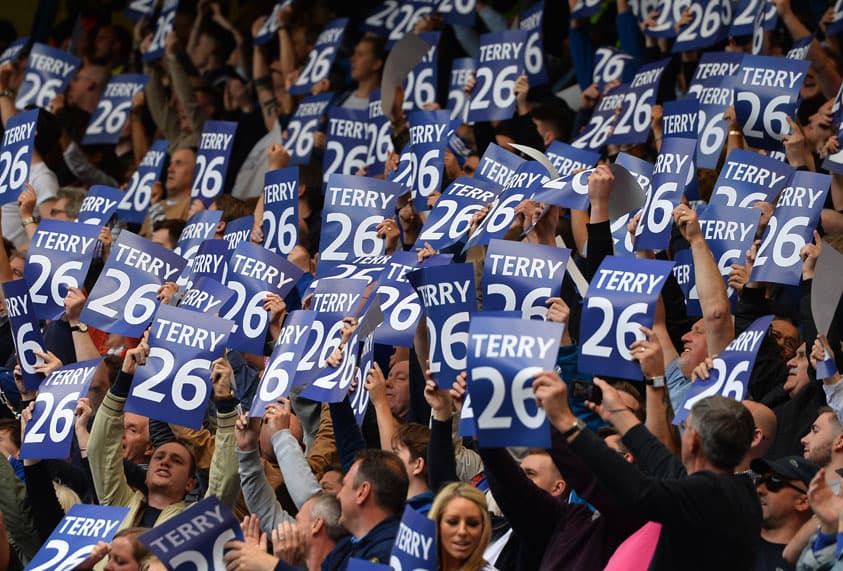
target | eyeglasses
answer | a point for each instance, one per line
(775, 484)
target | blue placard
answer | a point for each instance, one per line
(138, 9)
(99, 205)
(163, 26)
(639, 168)
(200, 227)
(267, 32)
(334, 300)
(567, 159)
(669, 13)
(633, 124)
(380, 136)
(211, 261)
(113, 109)
(610, 64)
(569, 191)
(680, 117)
(124, 298)
(518, 276)
(49, 433)
(671, 174)
(766, 94)
(321, 57)
(212, 160)
(14, 49)
(620, 235)
(174, 384)
(501, 62)
(449, 296)
(428, 139)
(497, 165)
(361, 564)
(709, 24)
(415, 543)
(26, 331)
(16, 158)
(836, 24)
(347, 146)
(531, 20)
(421, 84)
(354, 207)
(450, 219)
(729, 232)
(747, 178)
(59, 256)
(138, 195)
(503, 356)
(461, 71)
(403, 174)
(834, 161)
(206, 295)
(622, 297)
(253, 272)
(298, 137)
(281, 210)
(365, 268)
(400, 304)
(732, 368)
(195, 538)
(461, 12)
(395, 19)
(278, 375)
(744, 17)
(599, 127)
(792, 225)
(686, 277)
(584, 9)
(238, 231)
(73, 539)
(48, 73)
(800, 48)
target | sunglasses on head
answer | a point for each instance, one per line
(776, 483)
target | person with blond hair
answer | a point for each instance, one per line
(463, 527)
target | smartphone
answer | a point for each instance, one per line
(586, 391)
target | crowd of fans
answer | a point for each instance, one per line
(737, 485)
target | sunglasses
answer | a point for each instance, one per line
(775, 484)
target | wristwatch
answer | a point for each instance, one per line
(655, 382)
(81, 327)
(30, 220)
(578, 425)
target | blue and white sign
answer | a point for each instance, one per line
(679, 118)
(124, 298)
(281, 210)
(669, 13)
(428, 139)
(347, 146)
(497, 165)
(461, 70)
(163, 26)
(449, 296)
(48, 434)
(394, 19)
(100, 205)
(278, 375)
(380, 136)
(729, 232)
(672, 173)
(519, 276)
(709, 24)
(200, 227)
(174, 384)
(48, 73)
(748, 178)
(610, 64)
(211, 261)
(195, 538)
(834, 161)
(421, 84)
(621, 298)
(238, 231)
(206, 295)
(836, 24)
(365, 268)
(744, 17)
(270, 27)
(450, 219)
(14, 49)
(766, 94)
(16, 158)
(113, 109)
(138, 9)
(633, 124)
(298, 138)
(58, 258)
(254, 272)
(594, 134)
(569, 191)
(321, 57)
(26, 331)
(503, 356)
(460, 12)
(415, 543)
(364, 336)
(212, 160)
(73, 539)
(400, 304)
(138, 196)
(501, 61)
(712, 88)
(354, 207)
(567, 159)
(531, 21)
(584, 9)
(732, 368)
(790, 228)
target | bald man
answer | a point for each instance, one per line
(765, 433)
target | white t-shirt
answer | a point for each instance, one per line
(46, 185)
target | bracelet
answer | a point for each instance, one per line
(263, 82)
(735, 133)
(10, 93)
(30, 220)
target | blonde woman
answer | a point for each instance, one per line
(463, 528)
